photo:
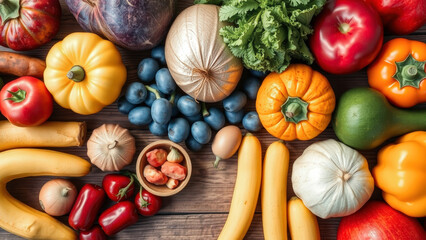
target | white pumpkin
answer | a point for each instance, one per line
(111, 147)
(198, 59)
(332, 179)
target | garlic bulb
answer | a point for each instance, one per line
(332, 179)
(199, 61)
(111, 147)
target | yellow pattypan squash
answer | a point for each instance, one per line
(84, 73)
(401, 174)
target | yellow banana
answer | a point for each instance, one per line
(21, 219)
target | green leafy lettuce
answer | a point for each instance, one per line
(268, 34)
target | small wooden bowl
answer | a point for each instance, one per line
(162, 190)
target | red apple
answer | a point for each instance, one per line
(377, 220)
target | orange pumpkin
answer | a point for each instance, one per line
(295, 104)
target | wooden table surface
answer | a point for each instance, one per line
(200, 210)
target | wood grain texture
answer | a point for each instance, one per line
(200, 210)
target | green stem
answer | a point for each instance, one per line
(17, 96)
(409, 72)
(344, 27)
(172, 97)
(295, 110)
(76, 73)
(405, 121)
(216, 162)
(143, 202)
(204, 110)
(123, 191)
(153, 90)
(9, 9)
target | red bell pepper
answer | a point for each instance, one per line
(401, 16)
(86, 207)
(95, 233)
(118, 217)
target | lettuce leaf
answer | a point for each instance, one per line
(268, 34)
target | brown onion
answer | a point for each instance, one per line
(199, 61)
(57, 197)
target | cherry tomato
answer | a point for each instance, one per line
(26, 102)
(348, 35)
(147, 203)
(95, 233)
(118, 187)
(118, 217)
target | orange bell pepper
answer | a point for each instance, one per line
(399, 72)
(401, 174)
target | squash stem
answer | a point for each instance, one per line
(76, 73)
(405, 121)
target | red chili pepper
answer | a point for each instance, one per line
(95, 233)
(118, 217)
(86, 207)
(401, 17)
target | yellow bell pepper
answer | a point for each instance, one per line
(84, 73)
(401, 174)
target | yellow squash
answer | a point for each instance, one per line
(303, 224)
(246, 190)
(274, 191)
(21, 219)
(48, 134)
(401, 174)
(84, 73)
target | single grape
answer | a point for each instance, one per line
(215, 118)
(178, 130)
(234, 117)
(235, 102)
(140, 116)
(124, 106)
(188, 106)
(251, 122)
(158, 129)
(158, 54)
(136, 93)
(161, 111)
(192, 144)
(147, 69)
(164, 81)
(201, 132)
(251, 86)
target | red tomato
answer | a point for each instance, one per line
(377, 220)
(27, 24)
(95, 233)
(348, 35)
(118, 217)
(118, 187)
(26, 102)
(147, 203)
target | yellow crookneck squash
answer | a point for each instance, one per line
(295, 104)
(84, 73)
(401, 174)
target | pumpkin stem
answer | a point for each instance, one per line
(153, 90)
(204, 110)
(112, 145)
(346, 176)
(410, 72)
(206, 74)
(17, 96)
(76, 73)
(295, 110)
(9, 9)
